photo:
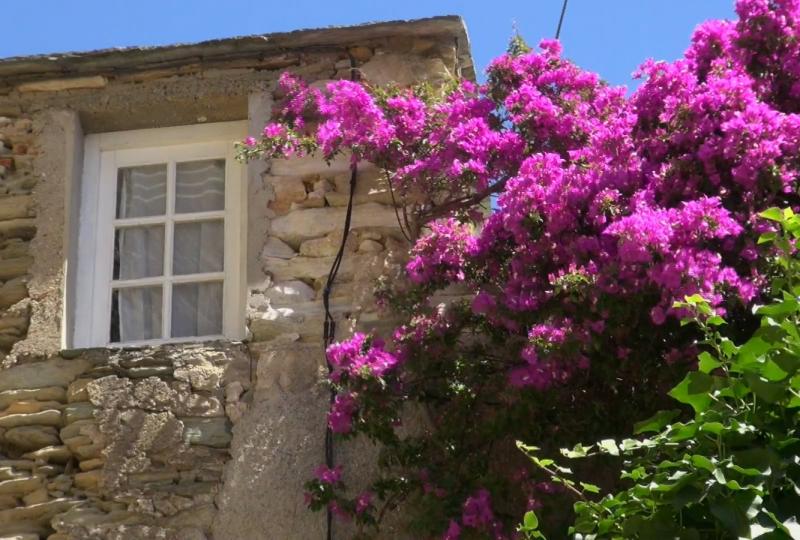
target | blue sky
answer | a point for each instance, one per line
(610, 37)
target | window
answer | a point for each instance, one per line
(160, 259)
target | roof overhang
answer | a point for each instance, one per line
(269, 51)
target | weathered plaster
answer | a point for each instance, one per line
(258, 193)
(56, 165)
(274, 445)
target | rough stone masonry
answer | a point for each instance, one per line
(190, 441)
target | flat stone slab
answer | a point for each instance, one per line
(302, 225)
(55, 372)
(50, 417)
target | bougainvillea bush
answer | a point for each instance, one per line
(729, 471)
(607, 208)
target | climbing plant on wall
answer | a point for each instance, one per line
(609, 210)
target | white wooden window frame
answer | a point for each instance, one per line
(104, 154)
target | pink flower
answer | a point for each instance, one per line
(360, 357)
(453, 531)
(483, 303)
(340, 417)
(274, 130)
(327, 475)
(363, 501)
(442, 254)
(478, 510)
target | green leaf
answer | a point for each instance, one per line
(591, 488)
(767, 238)
(729, 348)
(715, 320)
(744, 471)
(787, 307)
(636, 474)
(702, 462)
(794, 402)
(681, 432)
(772, 333)
(771, 392)
(733, 484)
(578, 451)
(736, 389)
(609, 446)
(707, 362)
(762, 459)
(787, 361)
(605, 526)
(773, 372)
(731, 516)
(627, 445)
(527, 448)
(655, 423)
(720, 476)
(695, 299)
(712, 427)
(750, 353)
(772, 214)
(694, 390)
(530, 521)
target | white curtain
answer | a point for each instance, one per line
(197, 309)
(200, 186)
(198, 247)
(139, 253)
(139, 313)
(142, 191)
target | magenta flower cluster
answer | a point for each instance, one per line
(359, 357)
(477, 514)
(441, 256)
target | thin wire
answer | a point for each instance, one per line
(329, 326)
(561, 19)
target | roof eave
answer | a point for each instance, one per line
(220, 51)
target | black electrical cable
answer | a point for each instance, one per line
(329, 326)
(561, 18)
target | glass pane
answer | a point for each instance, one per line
(199, 247)
(138, 252)
(136, 314)
(200, 186)
(197, 309)
(142, 191)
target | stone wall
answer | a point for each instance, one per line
(118, 444)
(208, 441)
(17, 226)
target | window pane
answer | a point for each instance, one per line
(136, 314)
(199, 247)
(197, 309)
(139, 252)
(141, 191)
(200, 186)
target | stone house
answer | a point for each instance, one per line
(160, 303)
